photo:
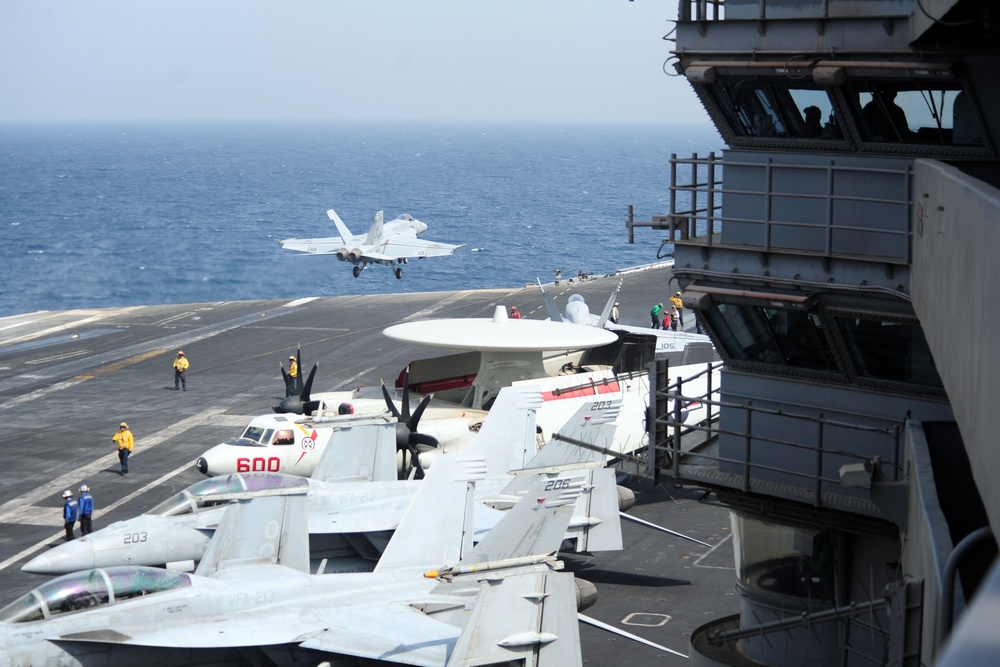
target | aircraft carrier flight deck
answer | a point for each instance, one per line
(68, 378)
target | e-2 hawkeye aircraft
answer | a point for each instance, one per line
(506, 352)
(387, 244)
(350, 522)
(432, 600)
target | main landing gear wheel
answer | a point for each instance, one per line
(357, 271)
(399, 273)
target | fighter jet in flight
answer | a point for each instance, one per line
(389, 244)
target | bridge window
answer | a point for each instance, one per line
(786, 108)
(889, 350)
(772, 335)
(919, 112)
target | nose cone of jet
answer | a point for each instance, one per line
(65, 558)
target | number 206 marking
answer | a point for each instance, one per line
(556, 484)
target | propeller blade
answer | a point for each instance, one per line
(415, 460)
(307, 389)
(406, 396)
(289, 385)
(298, 364)
(428, 442)
(388, 402)
(415, 418)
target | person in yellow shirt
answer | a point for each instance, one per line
(123, 438)
(293, 366)
(180, 366)
(678, 302)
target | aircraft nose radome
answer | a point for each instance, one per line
(68, 557)
(201, 465)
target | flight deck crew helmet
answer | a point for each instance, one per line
(180, 353)
(84, 488)
(67, 494)
(123, 425)
(291, 356)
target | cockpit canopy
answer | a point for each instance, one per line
(258, 435)
(205, 493)
(89, 589)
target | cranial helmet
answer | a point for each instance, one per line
(67, 494)
(84, 488)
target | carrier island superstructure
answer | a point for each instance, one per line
(843, 252)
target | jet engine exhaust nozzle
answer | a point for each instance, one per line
(586, 594)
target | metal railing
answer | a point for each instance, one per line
(697, 199)
(669, 453)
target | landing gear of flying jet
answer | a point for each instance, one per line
(357, 271)
(399, 273)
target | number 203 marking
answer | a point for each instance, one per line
(135, 538)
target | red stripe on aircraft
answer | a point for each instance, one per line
(577, 392)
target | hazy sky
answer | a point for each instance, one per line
(542, 60)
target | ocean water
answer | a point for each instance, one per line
(121, 214)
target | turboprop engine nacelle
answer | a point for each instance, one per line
(342, 254)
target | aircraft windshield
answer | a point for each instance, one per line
(90, 588)
(253, 436)
(202, 494)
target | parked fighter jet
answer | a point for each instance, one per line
(433, 599)
(350, 522)
(680, 347)
(386, 244)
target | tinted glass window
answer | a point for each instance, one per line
(772, 336)
(789, 108)
(889, 350)
(914, 112)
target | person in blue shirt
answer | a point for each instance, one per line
(70, 513)
(86, 507)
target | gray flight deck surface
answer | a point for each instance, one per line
(68, 378)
